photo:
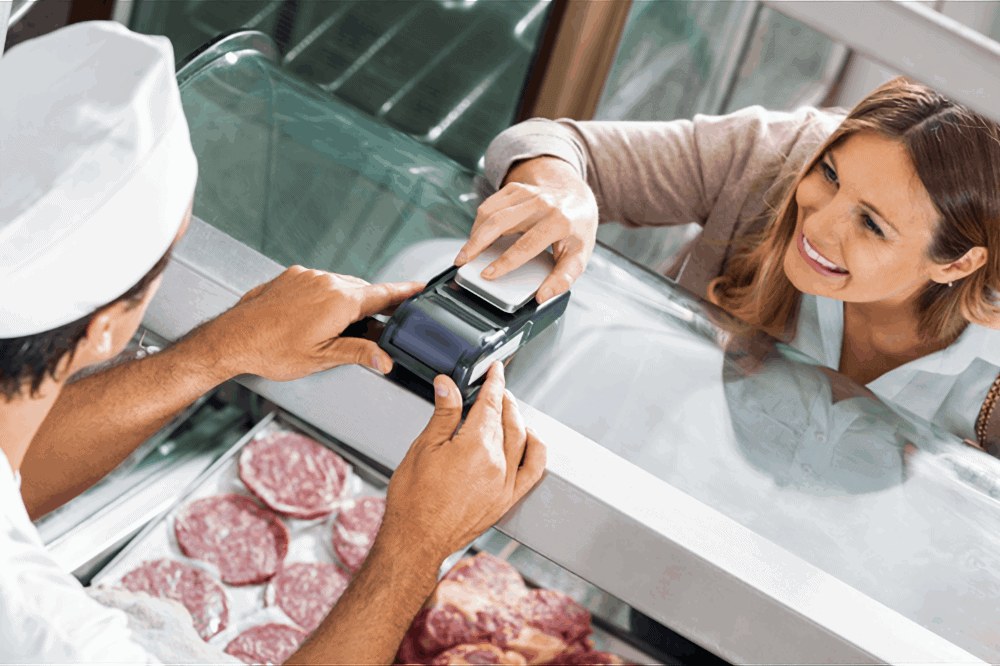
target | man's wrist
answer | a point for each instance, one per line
(418, 551)
(205, 350)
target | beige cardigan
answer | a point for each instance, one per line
(723, 172)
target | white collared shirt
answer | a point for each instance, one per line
(45, 614)
(947, 387)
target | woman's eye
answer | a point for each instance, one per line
(828, 172)
(871, 226)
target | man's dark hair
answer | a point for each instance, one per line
(34, 356)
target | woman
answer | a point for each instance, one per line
(870, 242)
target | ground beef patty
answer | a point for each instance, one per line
(355, 529)
(293, 475)
(201, 594)
(247, 542)
(306, 591)
(271, 643)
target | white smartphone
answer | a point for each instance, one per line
(513, 290)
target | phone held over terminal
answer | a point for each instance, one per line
(460, 323)
(514, 289)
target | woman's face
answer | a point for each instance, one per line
(864, 222)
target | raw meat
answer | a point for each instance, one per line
(245, 541)
(482, 653)
(293, 475)
(555, 614)
(196, 590)
(307, 591)
(592, 658)
(483, 600)
(490, 576)
(355, 529)
(470, 605)
(271, 643)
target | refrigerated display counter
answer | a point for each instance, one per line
(700, 473)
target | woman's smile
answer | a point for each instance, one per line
(817, 261)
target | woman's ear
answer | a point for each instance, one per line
(956, 270)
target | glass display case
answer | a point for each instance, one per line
(449, 72)
(700, 473)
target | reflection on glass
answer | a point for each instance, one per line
(450, 73)
(305, 180)
(867, 492)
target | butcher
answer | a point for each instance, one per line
(97, 177)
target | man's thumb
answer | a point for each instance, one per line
(447, 411)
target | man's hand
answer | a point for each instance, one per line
(548, 201)
(448, 489)
(287, 328)
(452, 486)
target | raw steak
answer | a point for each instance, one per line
(355, 529)
(307, 591)
(246, 541)
(491, 577)
(271, 643)
(555, 614)
(293, 475)
(196, 590)
(483, 653)
(468, 606)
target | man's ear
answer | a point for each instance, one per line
(99, 338)
(956, 270)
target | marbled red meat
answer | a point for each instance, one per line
(354, 530)
(271, 643)
(491, 576)
(196, 590)
(245, 541)
(481, 653)
(556, 614)
(293, 475)
(468, 606)
(306, 591)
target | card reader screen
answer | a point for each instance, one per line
(429, 341)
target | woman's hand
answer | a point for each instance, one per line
(289, 327)
(452, 486)
(548, 201)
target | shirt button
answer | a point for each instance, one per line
(821, 437)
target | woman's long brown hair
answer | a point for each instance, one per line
(956, 154)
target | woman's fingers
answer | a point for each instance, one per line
(527, 247)
(570, 264)
(514, 215)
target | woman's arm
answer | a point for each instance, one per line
(635, 173)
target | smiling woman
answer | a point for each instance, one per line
(868, 240)
(899, 204)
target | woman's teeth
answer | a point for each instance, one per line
(819, 259)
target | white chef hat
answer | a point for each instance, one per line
(96, 170)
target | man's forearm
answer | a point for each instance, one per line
(98, 421)
(368, 623)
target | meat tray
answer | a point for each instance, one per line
(310, 540)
